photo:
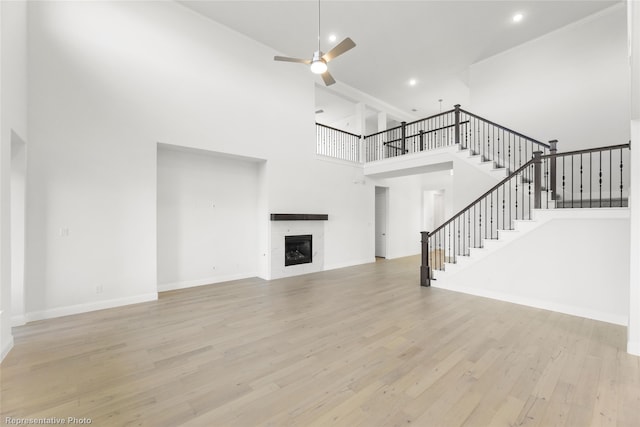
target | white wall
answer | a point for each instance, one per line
(13, 90)
(633, 331)
(404, 217)
(406, 195)
(18, 192)
(469, 183)
(441, 181)
(574, 265)
(571, 84)
(108, 81)
(207, 218)
(6, 338)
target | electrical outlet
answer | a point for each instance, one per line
(98, 289)
(64, 232)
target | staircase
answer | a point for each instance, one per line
(593, 178)
(550, 233)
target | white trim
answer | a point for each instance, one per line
(402, 255)
(616, 319)
(164, 287)
(91, 306)
(351, 163)
(6, 349)
(18, 320)
(349, 264)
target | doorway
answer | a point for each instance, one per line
(433, 209)
(381, 223)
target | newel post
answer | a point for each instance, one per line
(537, 179)
(553, 149)
(403, 137)
(456, 115)
(425, 270)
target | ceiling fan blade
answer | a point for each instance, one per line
(339, 49)
(287, 59)
(328, 78)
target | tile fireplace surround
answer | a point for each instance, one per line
(291, 225)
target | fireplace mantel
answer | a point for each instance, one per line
(299, 217)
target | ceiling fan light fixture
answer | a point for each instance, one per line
(318, 66)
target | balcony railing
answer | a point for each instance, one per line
(336, 143)
(504, 147)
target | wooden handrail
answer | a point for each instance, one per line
(338, 130)
(505, 128)
(410, 123)
(587, 150)
(485, 194)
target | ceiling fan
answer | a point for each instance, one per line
(319, 60)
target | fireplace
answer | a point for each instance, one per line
(298, 249)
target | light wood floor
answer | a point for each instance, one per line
(362, 346)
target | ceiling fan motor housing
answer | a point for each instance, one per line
(318, 65)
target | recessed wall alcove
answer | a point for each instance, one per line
(208, 217)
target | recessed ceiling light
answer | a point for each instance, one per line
(413, 82)
(333, 37)
(518, 17)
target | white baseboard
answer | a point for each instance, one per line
(402, 255)
(633, 348)
(545, 305)
(163, 287)
(349, 264)
(18, 320)
(91, 306)
(6, 348)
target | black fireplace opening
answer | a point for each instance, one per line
(297, 249)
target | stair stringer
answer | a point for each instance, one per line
(431, 160)
(607, 289)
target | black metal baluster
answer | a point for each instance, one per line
(581, 202)
(590, 179)
(519, 151)
(491, 212)
(488, 149)
(572, 179)
(480, 223)
(546, 180)
(600, 178)
(479, 138)
(449, 245)
(485, 217)
(441, 252)
(475, 229)
(509, 155)
(518, 177)
(511, 201)
(469, 232)
(564, 200)
(456, 230)
(621, 178)
(529, 199)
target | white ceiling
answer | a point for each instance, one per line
(433, 42)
